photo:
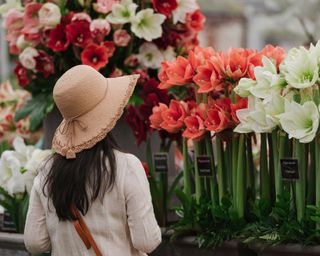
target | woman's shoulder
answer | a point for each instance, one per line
(127, 160)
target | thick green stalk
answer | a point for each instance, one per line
(197, 178)
(186, 168)
(311, 195)
(271, 169)
(235, 152)
(228, 161)
(220, 171)
(301, 182)
(264, 174)
(250, 169)
(214, 195)
(241, 178)
(317, 149)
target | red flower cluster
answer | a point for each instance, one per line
(215, 71)
(196, 119)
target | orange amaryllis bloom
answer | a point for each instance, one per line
(156, 118)
(173, 117)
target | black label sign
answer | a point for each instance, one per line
(290, 169)
(204, 165)
(7, 223)
(160, 162)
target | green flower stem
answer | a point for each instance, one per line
(312, 174)
(317, 178)
(264, 174)
(228, 164)
(186, 168)
(301, 182)
(251, 169)
(278, 155)
(241, 178)
(220, 171)
(271, 168)
(214, 195)
(235, 151)
(197, 178)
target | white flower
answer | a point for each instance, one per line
(22, 43)
(300, 121)
(10, 4)
(244, 86)
(300, 68)
(27, 57)
(274, 106)
(49, 15)
(147, 24)
(150, 56)
(36, 159)
(268, 80)
(122, 12)
(169, 54)
(254, 118)
(184, 7)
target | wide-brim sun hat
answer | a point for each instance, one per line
(90, 105)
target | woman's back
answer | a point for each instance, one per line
(123, 224)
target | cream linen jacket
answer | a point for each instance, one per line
(123, 225)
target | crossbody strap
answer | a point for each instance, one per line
(84, 232)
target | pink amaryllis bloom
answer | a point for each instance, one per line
(81, 16)
(100, 28)
(13, 20)
(173, 117)
(31, 17)
(104, 6)
(209, 78)
(156, 118)
(121, 37)
(23, 75)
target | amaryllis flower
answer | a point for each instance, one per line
(122, 12)
(121, 37)
(44, 64)
(240, 104)
(195, 128)
(78, 33)
(146, 168)
(173, 117)
(81, 16)
(195, 20)
(22, 74)
(131, 61)
(152, 87)
(99, 28)
(165, 6)
(208, 78)
(144, 75)
(96, 56)
(137, 124)
(104, 6)
(276, 53)
(116, 72)
(184, 7)
(31, 17)
(58, 40)
(27, 57)
(150, 56)
(13, 20)
(179, 72)
(156, 118)
(218, 115)
(49, 15)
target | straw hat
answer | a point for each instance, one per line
(90, 105)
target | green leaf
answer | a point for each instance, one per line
(25, 111)
(173, 187)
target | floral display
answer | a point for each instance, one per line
(115, 37)
(12, 100)
(18, 168)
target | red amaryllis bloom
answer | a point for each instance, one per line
(218, 115)
(156, 117)
(58, 40)
(22, 74)
(136, 123)
(146, 168)
(44, 64)
(208, 78)
(78, 33)
(195, 128)
(241, 103)
(173, 117)
(276, 53)
(152, 87)
(144, 75)
(195, 21)
(165, 6)
(96, 56)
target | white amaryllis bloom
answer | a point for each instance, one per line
(244, 86)
(274, 106)
(254, 118)
(150, 56)
(22, 43)
(169, 54)
(10, 4)
(19, 167)
(315, 51)
(49, 15)
(300, 68)
(300, 121)
(27, 57)
(147, 24)
(268, 81)
(122, 12)
(184, 7)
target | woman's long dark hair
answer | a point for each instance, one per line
(82, 180)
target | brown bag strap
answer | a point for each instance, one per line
(84, 232)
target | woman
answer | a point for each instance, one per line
(90, 198)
